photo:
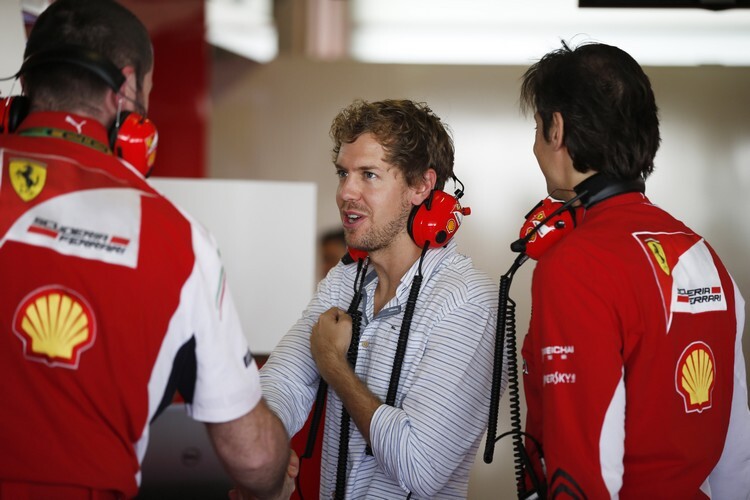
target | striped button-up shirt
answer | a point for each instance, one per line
(427, 442)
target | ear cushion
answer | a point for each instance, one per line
(14, 110)
(135, 141)
(436, 220)
(114, 130)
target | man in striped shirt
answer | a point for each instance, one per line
(389, 157)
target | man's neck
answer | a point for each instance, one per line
(391, 264)
(93, 112)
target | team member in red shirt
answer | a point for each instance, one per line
(633, 368)
(111, 297)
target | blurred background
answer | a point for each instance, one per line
(245, 90)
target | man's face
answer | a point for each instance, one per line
(373, 198)
(544, 152)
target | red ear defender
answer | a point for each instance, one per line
(135, 141)
(356, 254)
(353, 255)
(543, 228)
(13, 110)
(436, 220)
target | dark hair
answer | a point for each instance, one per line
(611, 122)
(413, 136)
(101, 26)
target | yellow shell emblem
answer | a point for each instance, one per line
(55, 325)
(27, 177)
(695, 376)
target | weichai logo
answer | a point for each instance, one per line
(699, 295)
(55, 325)
(695, 377)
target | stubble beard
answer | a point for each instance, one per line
(380, 237)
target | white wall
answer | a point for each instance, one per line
(12, 40)
(271, 122)
(269, 278)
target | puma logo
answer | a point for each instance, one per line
(77, 125)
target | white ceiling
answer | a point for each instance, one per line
(497, 31)
(521, 31)
(485, 31)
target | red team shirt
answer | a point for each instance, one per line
(633, 366)
(111, 300)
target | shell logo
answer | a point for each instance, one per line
(695, 377)
(55, 325)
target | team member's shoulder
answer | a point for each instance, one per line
(458, 279)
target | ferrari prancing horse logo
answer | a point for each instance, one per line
(27, 177)
(659, 255)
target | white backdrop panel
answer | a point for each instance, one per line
(13, 40)
(266, 232)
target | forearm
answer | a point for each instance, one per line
(290, 377)
(359, 402)
(254, 450)
(433, 438)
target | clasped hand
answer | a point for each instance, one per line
(330, 339)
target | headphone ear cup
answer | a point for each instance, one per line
(410, 223)
(135, 141)
(436, 220)
(540, 237)
(14, 110)
(115, 128)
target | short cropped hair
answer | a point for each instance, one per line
(415, 139)
(102, 26)
(611, 122)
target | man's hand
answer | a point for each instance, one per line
(329, 344)
(254, 450)
(330, 339)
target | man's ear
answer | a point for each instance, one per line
(557, 130)
(129, 88)
(425, 185)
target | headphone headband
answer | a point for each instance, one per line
(599, 187)
(591, 191)
(90, 60)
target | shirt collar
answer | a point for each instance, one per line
(70, 122)
(432, 260)
(621, 199)
(600, 187)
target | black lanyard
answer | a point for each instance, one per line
(58, 133)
